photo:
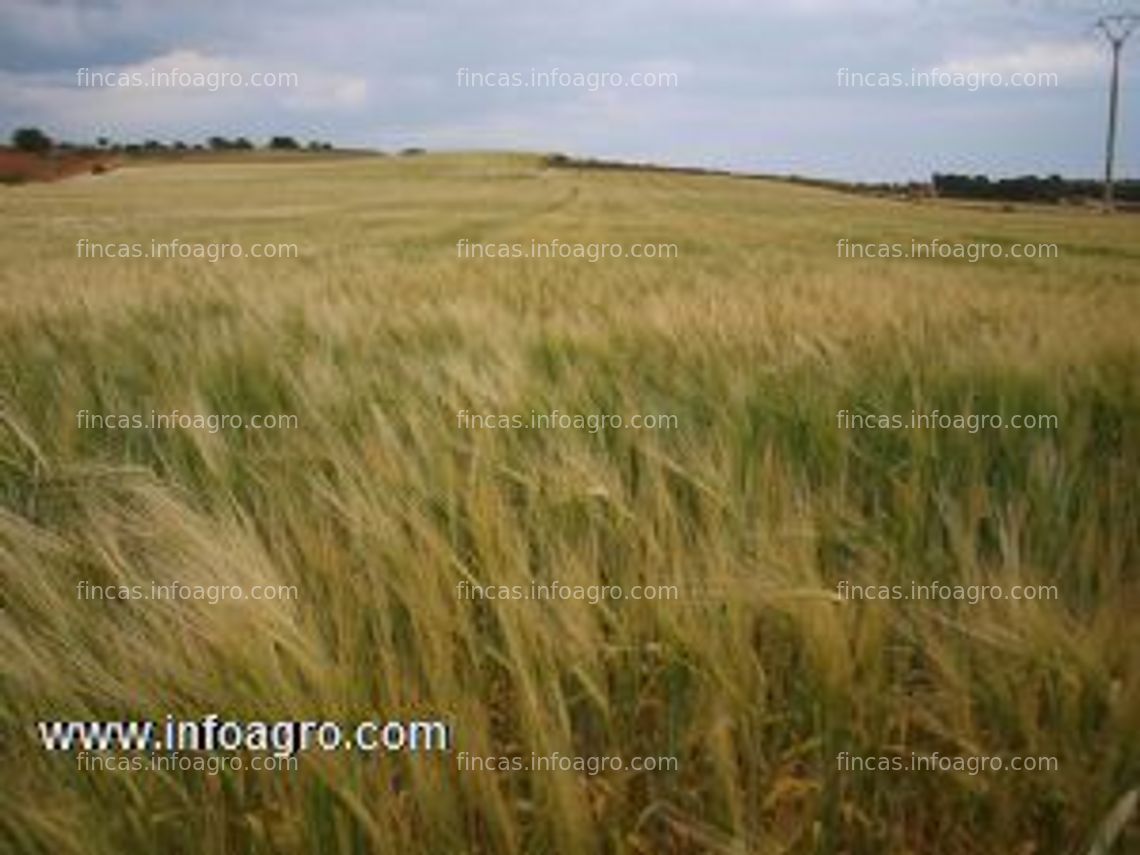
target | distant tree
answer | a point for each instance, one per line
(243, 144)
(198, 147)
(326, 146)
(314, 145)
(283, 143)
(153, 145)
(102, 142)
(31, 140)
(219, 143)
(412, 152)
(179, 145)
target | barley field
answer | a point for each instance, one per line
(380, 501)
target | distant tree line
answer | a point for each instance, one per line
(35, 141)
(1029, 188)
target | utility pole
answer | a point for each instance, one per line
(1117, 28)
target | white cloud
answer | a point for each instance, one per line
(1069, 60)
(182, 85)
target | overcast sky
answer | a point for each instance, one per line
(755, 83)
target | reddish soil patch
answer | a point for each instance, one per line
(17, 167)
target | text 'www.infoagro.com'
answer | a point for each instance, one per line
(212, 733)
